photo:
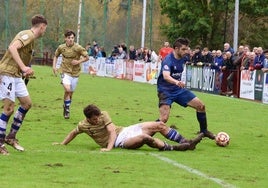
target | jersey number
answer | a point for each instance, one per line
(9, 87)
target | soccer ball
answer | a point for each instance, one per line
(222, 139)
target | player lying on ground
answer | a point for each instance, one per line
(99, 126)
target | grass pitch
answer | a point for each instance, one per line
(80, 164)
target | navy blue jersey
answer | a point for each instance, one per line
(175, 67)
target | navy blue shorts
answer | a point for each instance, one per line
(181, 97)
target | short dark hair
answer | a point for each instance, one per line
(181, 41)
(37, 19)
(198, 47)
(91, 110)
(69, 33)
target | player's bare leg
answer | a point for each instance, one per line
(151, 128)
(138, 141)
(164, 111)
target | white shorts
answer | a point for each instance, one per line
(126, 133)
(11, 87)
(69, 80)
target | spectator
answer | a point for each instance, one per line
(190, 56)
(115, 51)
(241, 55)
(197, 56)
(123, 45)
(228, 65)
(146, 55)
(248, 63)
(238, 55)
(218, 60)
(90, 49)
(213, 54)
(140, 54)
(98, 52)
(206, 58)
(259, 59)
(132, 55)
(228, 48)
(102, 50)
(165, 50)
(121, 53)
(255, 49)
(265, 62)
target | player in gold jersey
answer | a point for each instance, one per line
(99, 126)
(72, 56)
(13, 66)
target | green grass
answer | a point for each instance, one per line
(80, 164)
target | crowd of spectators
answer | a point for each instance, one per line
(243, 58)
(121, 51)
(230, 60)
(226, 59)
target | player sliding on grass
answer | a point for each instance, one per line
(13, 66)
(99, 126)
(171, 88)
(73, 55)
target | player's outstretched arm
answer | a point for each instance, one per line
(68, 138)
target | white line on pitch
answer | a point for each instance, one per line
(193, 171)
(167, 160)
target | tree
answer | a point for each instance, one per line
(203, 21)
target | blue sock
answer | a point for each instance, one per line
(67, 103)
(174, 135)
(17, 120)
(3, 125)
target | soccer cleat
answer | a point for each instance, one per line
(209, 134)
(181, 147)
(66, 112)
(3, 150)
(195, 141)
(166, 147)
(14, 143)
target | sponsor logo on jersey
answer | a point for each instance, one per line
(25, 37)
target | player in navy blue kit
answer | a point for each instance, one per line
(171, 89)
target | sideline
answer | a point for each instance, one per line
(193, 171)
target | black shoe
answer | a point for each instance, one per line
(181, 147)
(195, 141)
(66, 112)
(166, 147)
(209, 134)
